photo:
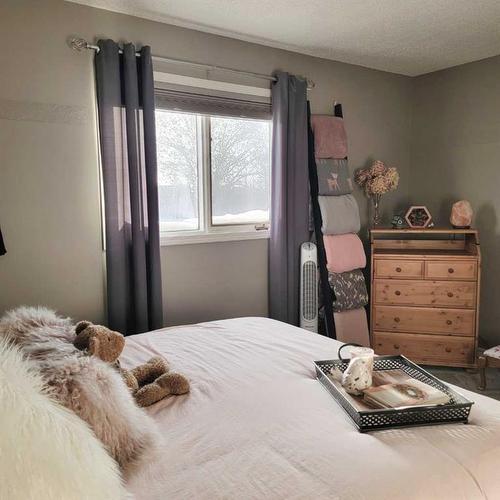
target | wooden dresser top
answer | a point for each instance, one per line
(434, 242)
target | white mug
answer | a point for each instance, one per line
(358, 375)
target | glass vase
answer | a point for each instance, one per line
(376, 207)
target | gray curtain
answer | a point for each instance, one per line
(289, 196)
(3, 250)
(125, 97)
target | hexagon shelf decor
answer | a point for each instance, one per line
(418, 217)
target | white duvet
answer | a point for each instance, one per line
(258, 425)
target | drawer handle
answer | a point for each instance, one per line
(449, 322)
(396, 319)
(396, 346)
(447, 349)
(450, 294)
(397, 292)
(451, 270)
(398, 269)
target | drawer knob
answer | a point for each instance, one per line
(451, 270)
(447, 349)
(396, 319)
(396, 346)
(450, 294)
(398, 269)
(397, 292)
(449, 322)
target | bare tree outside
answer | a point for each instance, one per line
(240, 169)
(177, 151)
(240, 154)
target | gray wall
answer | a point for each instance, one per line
(49, 189)
(456, 155)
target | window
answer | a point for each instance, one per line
(213, 176)
(240, 167)
(178, 170)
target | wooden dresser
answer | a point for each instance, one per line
(425, 294)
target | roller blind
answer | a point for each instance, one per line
(211, 105)
(210, 101)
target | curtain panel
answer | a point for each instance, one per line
(125, 98)
(289, 196)
(3, 250)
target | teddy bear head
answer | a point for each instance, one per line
(99, 341)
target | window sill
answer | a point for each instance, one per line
(215, 237)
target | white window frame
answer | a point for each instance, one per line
(208, 232)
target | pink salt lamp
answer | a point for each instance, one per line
(461, 214)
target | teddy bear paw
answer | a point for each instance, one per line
(159, 364)
(174, 382)
(149, 395)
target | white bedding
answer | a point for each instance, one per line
(258, 425)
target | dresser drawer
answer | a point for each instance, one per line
(424, 320)
(425, 293)
(451, 270)
(427, 349)
(394, 268)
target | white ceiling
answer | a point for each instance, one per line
(410, 37)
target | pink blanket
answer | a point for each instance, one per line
(352, 326)
(344, 252)
(258, 425)
(330, 138)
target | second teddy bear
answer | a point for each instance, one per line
(149, 382)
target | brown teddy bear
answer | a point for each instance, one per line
(149, 382)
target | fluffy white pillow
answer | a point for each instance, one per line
(88, 386)
(46, 451)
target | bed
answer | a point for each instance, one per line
(258, 425)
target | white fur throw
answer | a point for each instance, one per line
(90, 387)
(46, 451)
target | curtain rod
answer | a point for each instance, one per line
(80, 44)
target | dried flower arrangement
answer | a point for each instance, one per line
(376, 181)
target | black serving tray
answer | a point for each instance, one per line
(456, 411)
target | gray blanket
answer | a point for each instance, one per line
(340, 214)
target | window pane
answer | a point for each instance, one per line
(241, 165)
(177, 151)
